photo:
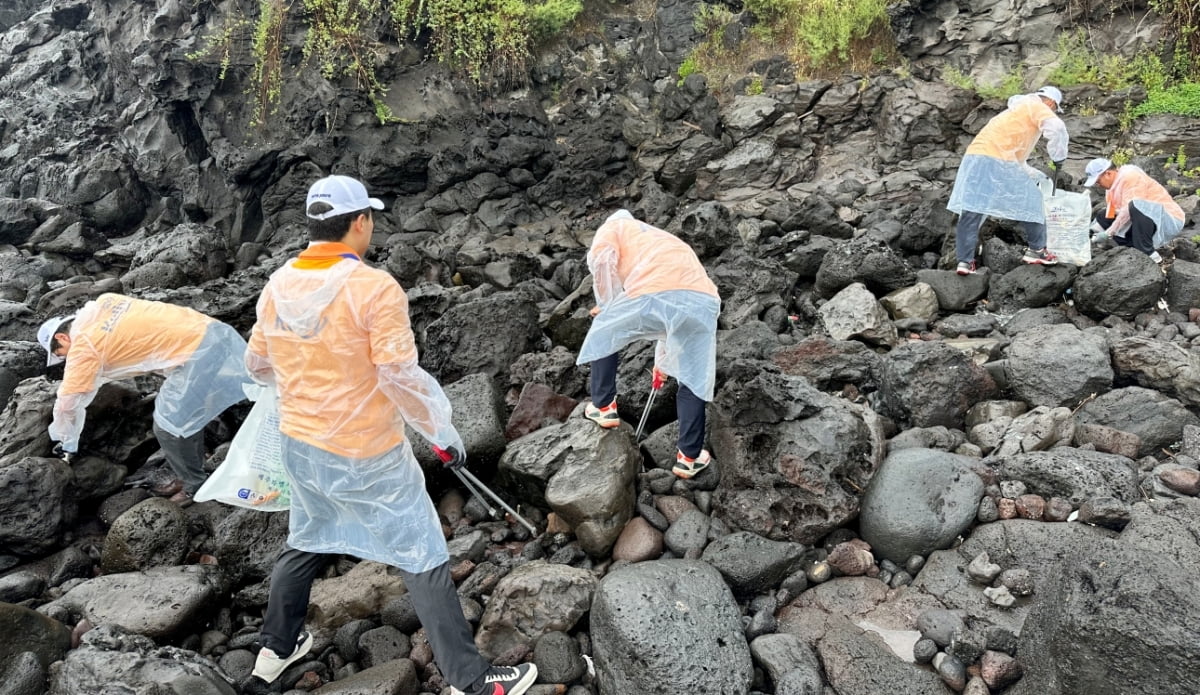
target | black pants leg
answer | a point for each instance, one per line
(690, 409)
(436, 602)
(604, 380)
(185, 456)
(287, 605)
(1140, 234)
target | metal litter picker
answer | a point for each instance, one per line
(475, 486)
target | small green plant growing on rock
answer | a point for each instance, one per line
(755, 87)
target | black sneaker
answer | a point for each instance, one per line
(505, 680)
(269, 665)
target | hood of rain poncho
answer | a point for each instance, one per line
(309, 293)
(993, 178)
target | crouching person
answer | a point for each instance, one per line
(117, 337)
(334, 335)
(1140, 212)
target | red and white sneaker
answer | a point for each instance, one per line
(505, 680)
(1039, 257)
(966, 268)
(686, 467)
(606, 417)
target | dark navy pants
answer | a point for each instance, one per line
(688, 406)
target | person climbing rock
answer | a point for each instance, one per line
(650, 285)
(334, 335)
(117, 337)
(993, 179)
(1140, 212)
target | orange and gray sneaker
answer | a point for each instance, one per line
(505, 680)
(686, 467)
(606, 417)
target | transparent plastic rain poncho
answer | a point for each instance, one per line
(993, 178)
(338, 343)
(650, 286)
(1134, 186)
(116, 337)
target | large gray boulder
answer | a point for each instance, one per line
(793, 460)
(956, 292)
(583, 472)
(854, 313)
(160, 602)
(1157, 419)
(830, 364)
(189, 254)
(479, 416)
(1058, 365)
(152, 533)
(532, 600)
(857, 662)
(395, 677)
(865, 260)
(752, 564)
(464, 340)
(30, 631)
(1072, 474)
(25, 418)
(1183, 285)
(919, 501)
(1122, 281)
(1127, 621)
(33, 504)
(19, 360)
(927, 384)
(243, 542)
(110, 656)
(1159, 365)
(1028, 286)
(656, 626)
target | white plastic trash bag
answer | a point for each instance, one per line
(252, 474)
(1068, 216)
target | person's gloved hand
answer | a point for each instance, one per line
(450, 457)
(58, 451)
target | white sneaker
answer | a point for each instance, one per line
(268, 665)
(1154, 256)
(505, 680)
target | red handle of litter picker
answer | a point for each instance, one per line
(442, 454)
(658, 379)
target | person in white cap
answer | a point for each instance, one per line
(1140, 212)
(994, 180)
(334, 335)
(117, 337)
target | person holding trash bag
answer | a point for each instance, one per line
(994, 180)
(1140, 212)
(334, 335)
(650, 285)
(117, 337)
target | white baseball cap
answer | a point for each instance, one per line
(1095, 168)
(46, 334)
(343, 193)
(1051, 93)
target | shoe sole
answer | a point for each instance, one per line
(523, 684)
(607, 424)
(1038, 261)
(687, 473)
(964, 273)
(296, 656)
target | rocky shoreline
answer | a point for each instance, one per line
(924, 483)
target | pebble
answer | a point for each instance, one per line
(939, 625)
(1031, 507)
(851, 559)
(1007, 508)
(1108, 512)
(1001, 639)
(1000, 596)
(1019, 582)
(952, 671)
(900, 579)
(914, 564)
(982, 570)
(1058, 509)
(999, 670)
(988, 512)
(819, 572)
(1182, 480)
(976, 686)
(1012, 489)
(924, 650)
